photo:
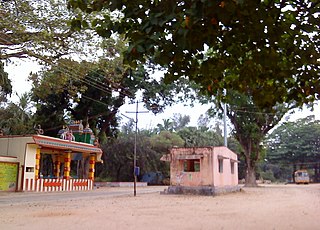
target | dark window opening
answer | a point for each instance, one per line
(220, 162)
(46, 166)
(192, 165)
(232, 167)
(29, 169)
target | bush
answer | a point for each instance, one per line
(268, 175)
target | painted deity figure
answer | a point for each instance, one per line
(67, 135)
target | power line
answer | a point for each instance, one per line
(95, 82)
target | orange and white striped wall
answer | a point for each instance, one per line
(55, 185)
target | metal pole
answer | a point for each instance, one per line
(225, 121)
(135, 154)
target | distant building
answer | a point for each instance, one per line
(41, 163)
(202, 170)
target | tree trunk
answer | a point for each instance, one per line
(250, 173)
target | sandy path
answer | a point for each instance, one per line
(267, 207)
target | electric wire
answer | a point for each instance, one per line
(95, 84)
(99, 85)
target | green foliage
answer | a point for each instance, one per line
(251, 124)
(292, 146)
(118, 155)
(175, 123)
(180, 121)
(265, 51)
(5, 84)
(118, 158)
(164, 141)
(268, 175)
(275, 172)
(295, 142)
(40, 29)
(92, 92)
(16, 118)
(267, 47)
(198, 137)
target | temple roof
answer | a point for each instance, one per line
(51, 142)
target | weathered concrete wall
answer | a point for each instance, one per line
(15, 147)
(225, 178)
(30, 163)
(177, 174)
(200, 190)
(11, 146)
(209, 174)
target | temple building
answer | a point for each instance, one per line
(42, 164)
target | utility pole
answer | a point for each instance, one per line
(225, 121)
(136, 170)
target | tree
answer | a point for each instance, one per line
(16, 119)
(118, 154)
(166, 126)
(180, 121)
(266, 51)
(92, 92)
(175, 123)
(5, 84)
(251, 125)
(39, 29)
(267, 47)
(295, 144)
(165, 140)
(199, 137)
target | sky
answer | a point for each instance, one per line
(19, 71)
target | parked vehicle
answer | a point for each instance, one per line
(301, 177)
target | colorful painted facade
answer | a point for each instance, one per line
(48, 163)
(202, 170)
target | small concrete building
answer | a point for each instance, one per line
(41, 163)
(202, 170)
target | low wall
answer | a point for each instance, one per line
(54, 185)
(119, 184)
(200, 190)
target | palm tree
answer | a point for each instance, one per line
(17, 118)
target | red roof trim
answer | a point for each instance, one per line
(56, 143)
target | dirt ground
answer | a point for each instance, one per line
(265, 207)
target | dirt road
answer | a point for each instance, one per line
(266, 207)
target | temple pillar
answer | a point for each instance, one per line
(92, 162)
(67, 165)
(57, 165)
(37, 166)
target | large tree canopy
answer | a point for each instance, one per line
(251, 124)
(295, 145)
(295, 142)
(40, 29)
(269, 48)
(93, 92)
